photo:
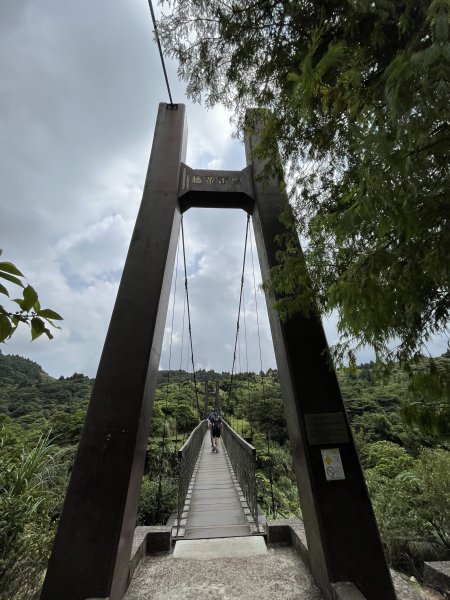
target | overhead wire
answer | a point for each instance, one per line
(161, 55)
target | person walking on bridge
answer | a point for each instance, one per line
(210, 420)
(216, 431)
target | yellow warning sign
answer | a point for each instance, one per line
(332, 464)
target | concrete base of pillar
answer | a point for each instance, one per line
(436, 575)
(149, 540)
(291, 532)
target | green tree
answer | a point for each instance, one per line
(157, 501)
(357, 94)
(66, 427)
(32, 483)
(428, 404)
(186, 417)
(411, 499)
(29, 311)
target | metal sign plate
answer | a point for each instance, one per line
(326, 428)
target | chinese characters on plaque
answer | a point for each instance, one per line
(213, 179)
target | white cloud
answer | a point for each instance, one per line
(78, 99)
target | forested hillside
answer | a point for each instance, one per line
(408, 471)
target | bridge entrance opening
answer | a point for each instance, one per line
(90, 557)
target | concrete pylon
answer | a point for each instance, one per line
(91, 551)
(342, 534)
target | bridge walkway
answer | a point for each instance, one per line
(215, 509)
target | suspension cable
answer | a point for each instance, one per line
(238, 317)
(262, 383)
(256, 304)
(240, 371)
(180, 369)
(246, 358)
(163, 441)
(171, 335)
(152, 12)
(189, 320)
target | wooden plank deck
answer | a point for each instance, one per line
(215, 509)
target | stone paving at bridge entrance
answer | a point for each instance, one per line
(273, 574)
(215, 509)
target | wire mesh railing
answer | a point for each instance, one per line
(275, 507)
(243, 460)
(187, 458)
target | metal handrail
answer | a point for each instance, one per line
(187, 458)
(243, 460)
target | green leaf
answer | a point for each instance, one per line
(3, 290)
(6, 327)
(37, 328)
(30, 297)
(20, 302)
(11, 278)
(10, 268)
(47, 313)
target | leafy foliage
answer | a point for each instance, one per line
(32, 484)
(30, 396)
(30, 311)
(411, 499)
(429, 405)
(157, 501)
(41, 419)
(354, 96)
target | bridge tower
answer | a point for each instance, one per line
(91, 551)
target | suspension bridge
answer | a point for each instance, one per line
(215, 505)
(216, 545)
(217, 491)
(96, 531)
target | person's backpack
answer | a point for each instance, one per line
(217, 426)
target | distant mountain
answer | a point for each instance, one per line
(27, 393)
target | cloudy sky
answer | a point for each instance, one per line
(79, 90)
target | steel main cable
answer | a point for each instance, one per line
(189, 320)
(238, 317)
(152, 12)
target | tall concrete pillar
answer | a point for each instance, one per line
(91, 551)
(342, 535)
